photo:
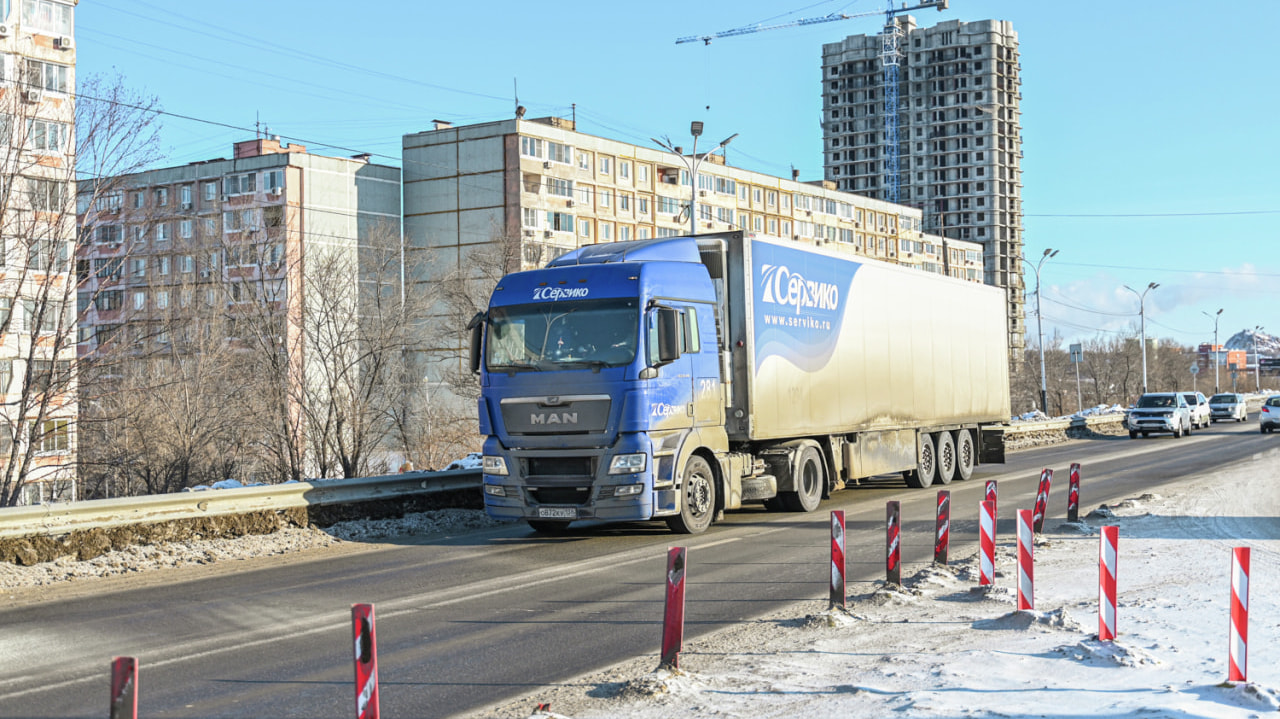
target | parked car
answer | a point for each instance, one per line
(1200, 413)
(1228, 405)
(1159, 412)
(471, 461)
(1269, 417)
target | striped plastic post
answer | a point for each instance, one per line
(1026, 561)
(837, 559)
(893, 548)
(1042, 499)
(124, 688)
(1237, 671)
(991, 495)
(942, 532)
(366, 656)
(987, 544)
(673, 616)
(1108, 553)
(1073, 493)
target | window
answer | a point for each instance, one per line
(559, 187)
(187, 264)
(273, 180)
(162, 232)
(162, 264)
(139, 300)
(45, 75)
(606, 232)
(560, 221)
(210, 191)
(273, 216)
(238, 184)
(642, 205)
(46, 15)
(584, 194)
(624, 202)
(185, 229)
(624, 233)
(531, 147)
(725, 186)
(110, 202)
(6, 379)
(606, 165)
(605, 197)
(162, 299)
(584, 228)
(162, 196)
(529, 217)
(642, 173)
(137, 200)
(689, 321)
(107, 269)
(46, 195)
(624, 170)
(54, 436)
(584, 161)
(108, 234)
(231, 221)
(559, 153)
(668, 205)
(5, 316)
(48, 255)
(109, 300)
(138, 267)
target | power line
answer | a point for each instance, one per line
(1161, 214)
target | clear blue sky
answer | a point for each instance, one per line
(1149, 127)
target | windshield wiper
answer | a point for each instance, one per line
(594, 364)
(513, 367)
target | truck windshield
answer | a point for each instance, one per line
(560, 335)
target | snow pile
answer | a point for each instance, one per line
(1099, 410)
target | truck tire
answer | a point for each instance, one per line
(966, 457)
(926, 464)
(946, 451)
(697, 498)
(552, 527)
(809, 479)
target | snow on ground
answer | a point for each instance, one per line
(942, 648)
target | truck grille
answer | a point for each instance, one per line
(560, 467)
(578, 414)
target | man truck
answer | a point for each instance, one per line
(680, 377)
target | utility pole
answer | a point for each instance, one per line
(692, 162)
(1257, 359)
(1215, 317)
(1044, 391)
(1142, 315)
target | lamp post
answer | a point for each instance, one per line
(1044, 390)
(1142, 315)
(1215, 317)
(691, 163)
(1257, 359)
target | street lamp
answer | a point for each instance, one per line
(1215, 317)
(1257, 359)
(691, 163)
(1044, 390)
(1142, 315)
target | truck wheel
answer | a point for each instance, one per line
(946, 451)
(926, 465)
(548, 526)
(697, 498)
(810, 478)
(966, 459)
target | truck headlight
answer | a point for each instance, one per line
(493, 464)
(627, 464)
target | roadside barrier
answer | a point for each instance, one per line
(1108, 554)
(124, 688)
(673, 614)
(991, 495)
(942, 529)
(1042, 500)
(987, 544)
(838, 592)
(1237, 671)
(1026, 561)
(1073, 493)
(893, 546)
(366, 661)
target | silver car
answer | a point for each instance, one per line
(1269, 417)
(1228, 405)
(1159, 412)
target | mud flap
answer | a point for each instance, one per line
(991, 444)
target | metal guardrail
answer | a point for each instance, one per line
(62, 517)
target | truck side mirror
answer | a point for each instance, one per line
(668, 335)
(476, 325)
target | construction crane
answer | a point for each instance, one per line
(890, 58)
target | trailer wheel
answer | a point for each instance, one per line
(809, 482)
(966, 459)
(926, 464)
(548, 526)
(697, 498)
(946, 451)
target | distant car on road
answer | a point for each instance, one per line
(1200, 414)
(1269, 417)
(1159, 412)
(1228, 405)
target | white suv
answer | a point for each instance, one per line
(1269, 417)
(1159, 412)
(1200, 414)
(1228, 405)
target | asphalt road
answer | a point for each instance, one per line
(468, 621)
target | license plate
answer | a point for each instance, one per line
(558, 512)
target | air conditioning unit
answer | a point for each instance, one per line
(32, 95)
(702, 193)
(528, 233)
(5, 30)
(546, 164)
(568, 203)
(226, 197)
(186, 205)
(546, 233)
(275, 190)
(63, 42)
(204, 273)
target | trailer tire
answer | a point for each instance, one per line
(946, 452)
(697, 498)
(966, 459)
(926, 464)
(551, 527)
(810, 479)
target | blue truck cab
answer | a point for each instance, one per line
(594, 372)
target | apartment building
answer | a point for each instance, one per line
(960, 143)
(543, 188)
(37, 181)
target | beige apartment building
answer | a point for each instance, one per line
(38, 439)
(543, 188)
(960, 141)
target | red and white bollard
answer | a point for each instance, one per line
(837, 559)
(1073, 493)
(893, 543)
(991, 495)
(1026, 561)
(673, 616)
(1237, 671)
(987, 543)
(124, 688)
(366, 656)
(1042, 499)
(1108, 554)
(942, 530)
